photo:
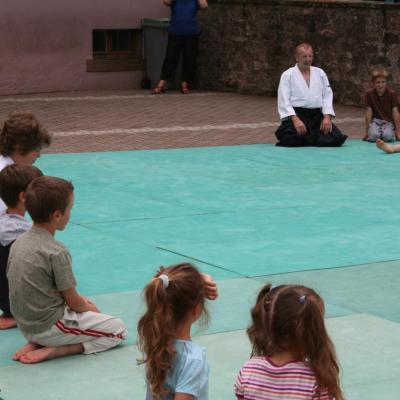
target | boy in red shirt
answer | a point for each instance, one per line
(382, 118)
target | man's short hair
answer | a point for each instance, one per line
(45, 195)
(379, 73)
(303, 45)
(15, 179)
(22, 132)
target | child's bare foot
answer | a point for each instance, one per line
(7, 322)
(24, 350)
(48, 353)
(387, 148)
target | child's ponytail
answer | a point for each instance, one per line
(318, 347)
(258, 330)
(155, 330)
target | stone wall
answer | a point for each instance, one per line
(247, 44)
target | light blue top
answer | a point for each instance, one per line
(11, 227)
(189, 373)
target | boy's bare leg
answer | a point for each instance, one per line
(25, 349)
(48, 353)
(387, 148)
(7, 321)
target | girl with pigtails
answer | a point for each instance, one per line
(176, 368)
(292, 354)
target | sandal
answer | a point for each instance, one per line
(158, 90)
(185, 88)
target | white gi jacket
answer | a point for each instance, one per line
(294, 92)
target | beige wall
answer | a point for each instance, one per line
(45, 44)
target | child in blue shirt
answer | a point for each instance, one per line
(176, 368)
(14, 180)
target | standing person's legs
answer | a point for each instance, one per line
(174, 50)
(189, 58)
(388, 132)
(374, 131)
(86, 332)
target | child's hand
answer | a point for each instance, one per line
(210, 287)
(92, 306)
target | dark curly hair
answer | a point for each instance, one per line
(22, 133)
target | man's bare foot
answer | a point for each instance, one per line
(7, 322)
(387, 148)
(24, 350)
(48, 353)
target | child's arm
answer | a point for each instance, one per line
(368, 120)
(396, 118)
(203, 4)
(78, 303)
(168, 3)
(210, 287)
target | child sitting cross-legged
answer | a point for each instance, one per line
(382, 117)
(293, 357)
(55, 319)
(14, 179)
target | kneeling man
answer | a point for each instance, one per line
(305, 105)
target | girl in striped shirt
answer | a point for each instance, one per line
(292, 357)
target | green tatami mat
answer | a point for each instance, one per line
(105, 262)
(371, 288)
(250, 210)
(246, 215)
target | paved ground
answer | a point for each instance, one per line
(126, 120)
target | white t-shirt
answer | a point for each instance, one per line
(4, 161)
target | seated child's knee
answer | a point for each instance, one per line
(121, 330)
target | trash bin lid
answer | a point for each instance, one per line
(156, 22)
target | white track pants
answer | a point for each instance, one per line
(97, 332)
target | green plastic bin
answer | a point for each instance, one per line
(155, 39)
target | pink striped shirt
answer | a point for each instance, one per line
(260, 379)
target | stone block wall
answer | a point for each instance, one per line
(247, 44)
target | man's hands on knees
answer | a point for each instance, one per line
(326, 125)
(298, 125)
(210, 287)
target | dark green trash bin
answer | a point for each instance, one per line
(155, 39)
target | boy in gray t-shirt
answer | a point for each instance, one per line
(14, 180)
(55, 319)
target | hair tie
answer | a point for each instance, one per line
(165, 280)
(302, 299)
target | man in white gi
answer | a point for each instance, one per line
(305, 105)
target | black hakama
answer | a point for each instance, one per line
(312, 118)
